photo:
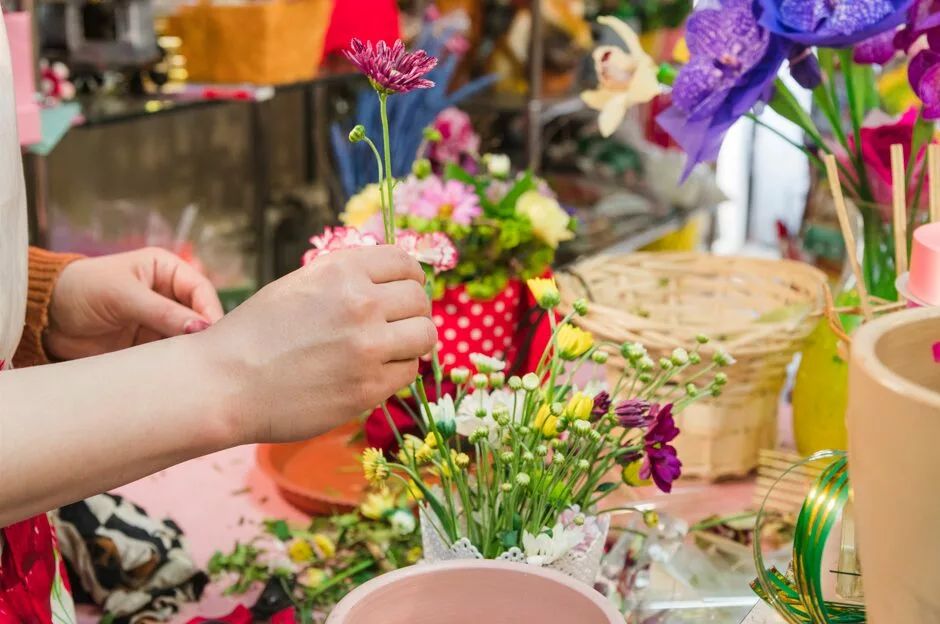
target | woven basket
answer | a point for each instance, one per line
(267, 42)
(760, 311)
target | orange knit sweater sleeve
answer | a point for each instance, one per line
(44, 269)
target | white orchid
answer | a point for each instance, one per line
(626, 78)
(544, 549)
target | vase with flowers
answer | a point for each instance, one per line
(508, 466)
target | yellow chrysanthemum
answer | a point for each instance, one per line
(573, 342)
(299, 551)
(325, 546)
(362, 206)
(410, 447)
(423, 455)
(546, 422)
(374, 466)
(545, 291)
(414, 492)
(312, 577)
(376, 504)
(580, 406)
(431, 440)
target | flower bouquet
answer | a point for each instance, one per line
(516, 467)
(736, 50)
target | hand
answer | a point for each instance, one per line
(110, 303)
(322, 345)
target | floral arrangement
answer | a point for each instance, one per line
(515, 467)
(320, 563)
(736, 51)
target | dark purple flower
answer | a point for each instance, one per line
(924, 75)
(392, 69)
(923, 18)
(878, 50)
(832, 23)
(632, 413)
(804, 67)
(733, 64)
(661, 462)
(601, 405)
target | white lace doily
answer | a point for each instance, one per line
(583, 565)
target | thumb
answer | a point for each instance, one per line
(161, 315)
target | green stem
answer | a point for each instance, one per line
(845, 57)
(382, 199)
(390, 214)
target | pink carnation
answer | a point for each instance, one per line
(434, 249)
(458, 140)
(334, 239)
(450, 201)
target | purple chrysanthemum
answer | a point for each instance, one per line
(734, 62)
(661, 462)
(392, 69)
(831, 24)
(632, 413)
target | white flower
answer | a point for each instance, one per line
(486, 402)
(402, 521)
(544, 549)
(443, 411)
(594, 387)
(486, 364)
(498, 165)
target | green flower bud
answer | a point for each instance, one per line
(651, 518)
(723, 358)
(357, 134)
(479, 434)
(599, 357)
(701, 339)
(506, 456)
(645, 364)
(720, 379)
(665, 364)
(680, 357)
(530, 382)
(583, 465)
(594, 435)
(421, 168)
(541, 450)
(580, 306)
(432, 134)
(505, 487)
(580, 427)
(558, 458)
(528, 457)
(557, 408)
(497, 380)
(459, 375)
(480, 381)
(695, 358)
(644, 378)
(691, 390)
(522, 479)
(515, 383)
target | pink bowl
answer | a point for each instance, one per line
(469, 592)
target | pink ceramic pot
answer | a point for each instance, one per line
(469, 592)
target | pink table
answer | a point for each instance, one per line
(220, 499)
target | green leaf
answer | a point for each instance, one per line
(279, 529)
(785, 104)
(516, 521)
(606, 487)
(509, 539)
(525, 184)
(456, 172)
(107, 618)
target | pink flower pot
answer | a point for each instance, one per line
(468, 592)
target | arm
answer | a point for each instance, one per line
(305, 355)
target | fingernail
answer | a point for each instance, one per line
(194, 326)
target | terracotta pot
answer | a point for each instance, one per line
(468, 592)
(894, 464)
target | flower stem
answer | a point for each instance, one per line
(390, 210)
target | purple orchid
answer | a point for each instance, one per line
(661, 462)
(923, 19)
(804, 67)
(924, 75)
(832, 23)
(392, 69)
(733, 64)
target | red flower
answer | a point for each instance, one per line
(27, 570)
(241, 615)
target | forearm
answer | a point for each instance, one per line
(71, 430)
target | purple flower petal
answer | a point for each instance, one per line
(878, 50)
(924, 75)
(832, 23)
(700, 88)
(391, 69)
(804, 67)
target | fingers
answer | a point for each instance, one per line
(409, 339)
(160, 315)
(402, 300)
(398, 375)
(386, 263)
(174, 277)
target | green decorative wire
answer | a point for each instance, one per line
(800, 601)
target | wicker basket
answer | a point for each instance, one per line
(265, 42)
(758, 310)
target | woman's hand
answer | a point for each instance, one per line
(110, 303)
(322, 345)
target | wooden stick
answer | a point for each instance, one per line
(933, 188)
(899, 208)
(832, 172)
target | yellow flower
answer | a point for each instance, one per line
(580, 406)
(550, 222)
(374, 466)
(423, 455)
(414, 555)
(362, 206)
(312, 577)
(545, 291)
(631, 474)
(680, 54)
(376, 504)
(410, 447)
(462, 460)
(299, 551)
(573, 342)
(626, 78)
(414, 492)
(325, 546)
(545, 422)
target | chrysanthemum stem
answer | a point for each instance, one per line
(378, 163)
(390, 210)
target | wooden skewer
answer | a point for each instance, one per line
(933, 182)
(832, 172)
(899, 208)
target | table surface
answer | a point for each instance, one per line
(220, 499)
